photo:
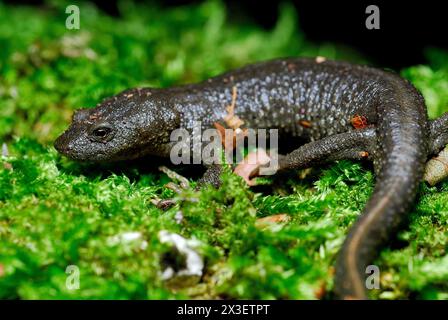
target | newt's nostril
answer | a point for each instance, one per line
(57, 146)
(60, 145)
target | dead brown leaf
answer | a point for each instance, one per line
(251, 165)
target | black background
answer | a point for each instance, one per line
(167, 309)
(407, 27)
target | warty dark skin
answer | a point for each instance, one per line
(285, 94)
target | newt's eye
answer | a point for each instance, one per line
(101, 133)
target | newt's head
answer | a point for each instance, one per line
(129, 125)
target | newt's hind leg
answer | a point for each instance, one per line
(356, 144)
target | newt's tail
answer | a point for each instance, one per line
(399, 158)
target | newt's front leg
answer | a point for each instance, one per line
(182, 184)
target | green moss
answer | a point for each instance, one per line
(55, 213)
(432, 81)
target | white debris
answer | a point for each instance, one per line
(187, 247)
(130, 236)
(437, 168)
(5, 151)
(126, 238)
(178, 217)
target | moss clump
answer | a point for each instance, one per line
(55, 213)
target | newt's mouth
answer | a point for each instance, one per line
(66, 145)
(77, 148)
(72, 145)
(61, 145)
(66, 148)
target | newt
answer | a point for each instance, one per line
(312, 99)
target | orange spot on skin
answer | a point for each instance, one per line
(359, 122)
(305, 123)
(364, 154)
(291, 67)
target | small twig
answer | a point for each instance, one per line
(231, 119)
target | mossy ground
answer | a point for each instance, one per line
(55, 213)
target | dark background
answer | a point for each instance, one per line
(406, 27)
